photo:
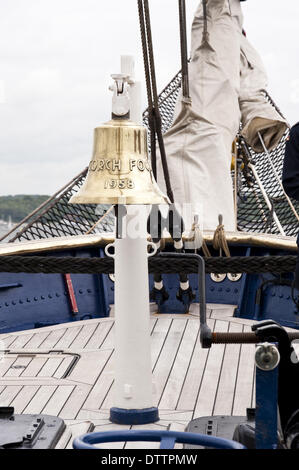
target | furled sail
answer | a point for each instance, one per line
(226, 82)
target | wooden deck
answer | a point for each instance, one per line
(67, 370)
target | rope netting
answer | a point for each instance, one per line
(59, 218)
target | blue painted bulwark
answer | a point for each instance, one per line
(134, 417)
(34, 300)
(30, 301)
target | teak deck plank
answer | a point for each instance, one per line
(189, 381)
(58, 400)
(175, 380)
(50, 367)
(75, 402)
(53, 338)
(16, 369)
(24, 397)
(69, 336)
(20, 342)
(193, 377)
(166, 359)
(36, 340)
(99, 335)
(209, 385)
(8, 394)
(244, 385)
(40, 399)
(84, 336)
(101, 387)
(228, 377)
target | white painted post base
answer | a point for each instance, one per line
(133, 401)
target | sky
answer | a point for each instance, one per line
(56, 58)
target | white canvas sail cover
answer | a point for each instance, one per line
(226, 79)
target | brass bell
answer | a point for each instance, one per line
(120, 171)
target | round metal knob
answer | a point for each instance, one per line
(267, 356)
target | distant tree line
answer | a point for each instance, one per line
(18, 207)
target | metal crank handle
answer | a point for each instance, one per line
(243, 338)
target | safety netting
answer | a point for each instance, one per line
(57, 218)
(261, 200)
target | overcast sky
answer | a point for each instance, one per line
(56, 57)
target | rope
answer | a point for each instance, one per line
(219, 240)
(147, 70)
(155, 121)
(184, 49)
(235, 156)
(157, 264)
(198, 236)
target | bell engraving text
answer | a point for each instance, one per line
(115, 165)
(120, 184)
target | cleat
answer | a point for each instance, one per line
(186, 297)
(159, 296)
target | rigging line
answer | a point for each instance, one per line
(266, 198)
(145, 54)
(262, 189)
(155, 120)
(156, 111)
(151, 55)
(151, 120)
(184, 48)
(74, 180)
(149, 87)
(277, 177)
(99, 221)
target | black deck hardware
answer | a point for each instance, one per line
(218, 426)
(29, 431)
(242, 429)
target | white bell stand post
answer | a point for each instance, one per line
(133, 398)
